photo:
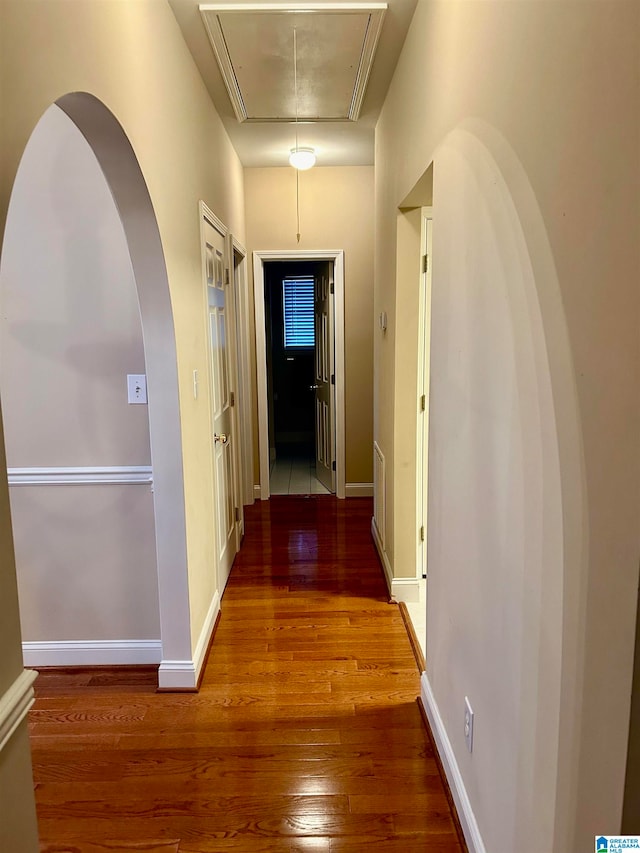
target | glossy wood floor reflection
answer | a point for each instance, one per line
(305, 736)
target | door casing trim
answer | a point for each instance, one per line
(259, 259)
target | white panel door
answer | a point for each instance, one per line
(222, 420)
(324, 378)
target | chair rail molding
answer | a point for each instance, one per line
(82, 476)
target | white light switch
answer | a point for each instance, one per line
(137, 388)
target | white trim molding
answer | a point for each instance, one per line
(15, 704)
(92, 653)
(185, 674)
(386, 565)
(177, 675)
(257, 491)
(405, 589)
(454, 777)
(358, 490)
(205, 635)
(122, 475)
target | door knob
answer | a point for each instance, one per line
(222, 438)
(313, 387)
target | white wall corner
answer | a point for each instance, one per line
(406, 589)
(92, 653)
(359, 490)
(454, 777)
(388, 573)
(205, 635)
(185, 674)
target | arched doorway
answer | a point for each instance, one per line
(117, 160)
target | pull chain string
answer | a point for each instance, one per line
(295, 77)
(298, 202)
(295, 90)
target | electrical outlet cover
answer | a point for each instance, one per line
(468, 724)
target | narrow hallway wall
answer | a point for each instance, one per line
(132, 59)
(533, 552)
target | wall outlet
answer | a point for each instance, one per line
(136, 388)
(468, 724)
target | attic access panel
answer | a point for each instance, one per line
(254, 48)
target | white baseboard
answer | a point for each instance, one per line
(92, 653)
(383, 555)
(177, 675)
(454, 777)
(205, 635)
(358, 490)
(185, 674)
(14, 705)
(406, 589)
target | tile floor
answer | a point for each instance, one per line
(295, 476)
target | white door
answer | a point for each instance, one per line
(424, 349)
(220, 328)
(324, 384)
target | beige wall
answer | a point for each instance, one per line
(532, 536)
(336, 212)
(131, 56)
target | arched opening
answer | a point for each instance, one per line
(161, 523)
(505, 500)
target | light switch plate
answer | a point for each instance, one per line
(136, 388)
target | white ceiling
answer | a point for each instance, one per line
(330, 47)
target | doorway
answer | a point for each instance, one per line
(299, 394)
(300, 371)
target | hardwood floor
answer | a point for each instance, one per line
(305, 736)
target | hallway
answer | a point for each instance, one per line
(305, 735)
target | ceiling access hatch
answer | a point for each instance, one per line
(254, 46)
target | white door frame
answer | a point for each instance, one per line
(424, 375)
(245, 396)
(259, 259)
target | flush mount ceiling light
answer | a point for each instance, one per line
(302, 158)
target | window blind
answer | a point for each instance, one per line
(297, 294)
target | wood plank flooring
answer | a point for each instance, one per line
(305, 736)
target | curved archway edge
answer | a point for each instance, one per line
(122, 171)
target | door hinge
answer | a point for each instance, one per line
(232, 398)
(425, 263)
(422, 533)
(226, 275)
(333, 379)
(423, 403)
(331, 287)
(237, 513)
(333, 465)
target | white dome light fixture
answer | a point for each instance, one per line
(302, 158)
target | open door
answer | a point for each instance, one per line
(325, 377)
(220, 322)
